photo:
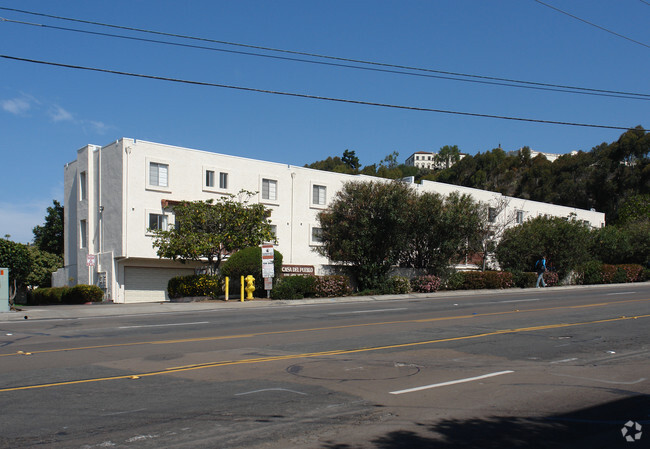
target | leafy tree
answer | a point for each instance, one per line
(448, 155)
(16, 257)
(351, 160)
(441, 229)
(634, 208)
(366, 227)
(43, 264)
(211, 229)
(566, 244)
(49, 237)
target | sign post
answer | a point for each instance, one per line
(268, 269)
(90, 261)
(4, 289)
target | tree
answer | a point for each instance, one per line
(43, 264)
(209, 230)
(15, 256)
(365, 228)
(565, 243)
(49, 237)
(448, 156)
(441, 230)
(351, 160)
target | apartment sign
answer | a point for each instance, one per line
(298, 270)
(90, 260)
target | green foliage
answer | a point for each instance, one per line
(566, 244)
(294, 287)
(81, 294)
(524, 279)
(17, 258)
(474, 280)
(249, 261)
(332, 286)
(195, 286)
(448, 155)
(210, 230)
(43, 264)
(49, 237)
(634, 208)
(595, 272)
(426, 284)
(356, 227)
(48, 295)
(397, 285)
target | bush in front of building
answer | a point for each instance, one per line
(294, 287)
(595, 272)
(524, 279)
(50, 295)
(397, 285)
(249, 261)
(81, 294)
(426, 284)
(476, 280)
(195, 285)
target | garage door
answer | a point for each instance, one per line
(149, 284)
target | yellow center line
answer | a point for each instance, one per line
(315, 329)
(320, 354)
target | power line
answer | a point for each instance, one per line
(590, 23)
(421, 71)
(313, 97)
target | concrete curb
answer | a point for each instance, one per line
(106, 309)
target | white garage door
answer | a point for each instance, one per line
(149, 284)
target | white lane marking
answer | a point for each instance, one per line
(125, 412)
(163, 325)
(452, 382)
(367, 311)
(270, 389)
(619, 293)
(564, 361)
(506, 302)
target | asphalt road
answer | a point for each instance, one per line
(556, 368)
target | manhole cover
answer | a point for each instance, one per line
(353, 370)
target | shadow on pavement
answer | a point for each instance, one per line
(595, 427)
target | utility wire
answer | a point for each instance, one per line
(590, 23)
(563, 88)
(313, 97)
(600, 93)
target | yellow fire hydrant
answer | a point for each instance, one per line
(250, 286)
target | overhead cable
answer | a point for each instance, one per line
(313, 97)
(418, 71)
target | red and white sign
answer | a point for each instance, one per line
(90, 260)
(268, 269)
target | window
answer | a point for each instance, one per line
(319, 195)
(158, 174)
(223, 180)
(158, 222)
(520, 216)
(269, 189)
(274, 231)
(83, 234)
(83, 186)
(209, 178)
(492, 214)
(317, 235)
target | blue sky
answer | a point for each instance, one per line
(47, 113)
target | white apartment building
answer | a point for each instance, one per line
(426, 159)
(116, 193)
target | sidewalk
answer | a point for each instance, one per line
(111, 309)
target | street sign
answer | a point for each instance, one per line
(90, 260)
(268, 269)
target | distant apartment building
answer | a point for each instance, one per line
(427, 160)
(551, 157)
(115, 195)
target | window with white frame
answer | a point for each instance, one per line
(83, 234)
(274, 231)
(83, 186)
(269, 189)
(492, 214)
(520, 216)
(223, 180)
(209, 178)
(158, 174)
(316, 235)
(157, 222)
(319, 195)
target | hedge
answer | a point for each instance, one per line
(79, 294)
(195, 285)
(426, 284)
(474, 280)
(298, 287)
(594, 272)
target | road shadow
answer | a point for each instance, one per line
(590, 428)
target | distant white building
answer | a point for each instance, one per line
(551, 157)
(426, 160)
(116, 193)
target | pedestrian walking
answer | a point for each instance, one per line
(540, 266)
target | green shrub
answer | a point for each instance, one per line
(633, 272)
(590, 273)
(551, 278)
(645, 275)
(81, 294)
(397, 285)
(425, 284)
(249, 261)
(524, 279)
(50, 295)
(497, 279)
(455, 281)
(332, 286)
(476, 280)
(195, 285)
(294, 287)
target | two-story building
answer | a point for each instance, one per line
(114, 196)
